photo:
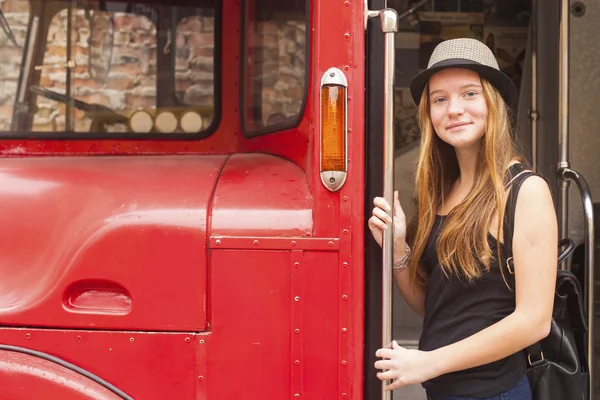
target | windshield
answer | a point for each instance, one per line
(82, 69)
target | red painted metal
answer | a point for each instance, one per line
(250, 316)
(146, 366)
(24, 377)
(276, 333)
(297, 359)
(160, 240)
(276, 200)
(105, 243)
(320, 326)
(270, 243)
(339, 43)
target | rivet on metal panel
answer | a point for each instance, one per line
(131, 339)
(345, 198)
(349, 98)
(297, 396)
(218, 242)
(297, 330)
(27, 335)
(346, 67)
(346, 35)
(201, 377)
(344, 330)
(344, 395)
(345, 231)
(349, 130)
(296, 264)
(297, 362)
(345, 297)
(256, 242)
(347, 3)
(578, 9)
(187, 339)
(297, 298)
(330, 244)
(202, 341)
(344, 362)
(345, 264)
(79, 338)
(293, 242)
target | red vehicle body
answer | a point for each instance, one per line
(184, 186)
(216, 267)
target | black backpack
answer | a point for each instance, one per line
(557, 365)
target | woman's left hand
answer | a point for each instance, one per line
(404, 366)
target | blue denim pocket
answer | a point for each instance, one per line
(522, 391)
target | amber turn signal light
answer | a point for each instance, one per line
(334, 129)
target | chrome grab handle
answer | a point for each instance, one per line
(567, 174)
(389, 27)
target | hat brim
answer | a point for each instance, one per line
(497, 78)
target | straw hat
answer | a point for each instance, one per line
(465, 53)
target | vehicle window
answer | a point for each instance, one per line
(274, 64)
(105, 68)
(13, 27)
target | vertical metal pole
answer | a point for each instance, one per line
(69, 102)
(534, 103)
(563, 117)
(389, 27)
(21, 111)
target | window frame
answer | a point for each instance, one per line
(168, 137)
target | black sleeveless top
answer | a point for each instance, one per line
(455, 310)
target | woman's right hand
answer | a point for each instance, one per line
(380, 220)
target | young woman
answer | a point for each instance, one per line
(478, 317)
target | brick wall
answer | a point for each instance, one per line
(279, 55)
(131, 82)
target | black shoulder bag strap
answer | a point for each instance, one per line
(519, 174)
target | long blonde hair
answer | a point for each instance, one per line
(463, 247)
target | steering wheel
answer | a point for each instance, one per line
(114, 116)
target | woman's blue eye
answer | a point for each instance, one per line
(439, 100)
(471, 94)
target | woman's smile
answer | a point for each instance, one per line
(457, 126)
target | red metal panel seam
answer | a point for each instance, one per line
(353, 67)
(274, 243)
(355, 193)
(209, 208)
(209, 213)
(200, 342)
(297, 359)
(344, 300)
